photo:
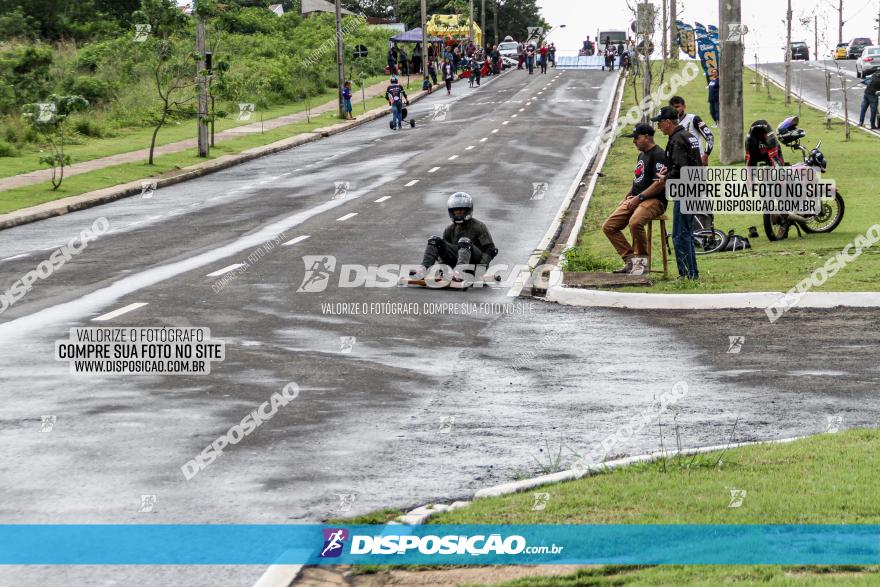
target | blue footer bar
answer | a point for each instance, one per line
(438, 545)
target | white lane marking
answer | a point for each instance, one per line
(383, 199)
(539, 93)
(484, 139)
(515, 115)
(14, 257)
(469, 148)
(298, 239)
(286, 174)
(523, 109)
(347, 217)
(412, 183)
(220, 272)
(119, 312)
(433, 170)
(453, 158)
(494, 130)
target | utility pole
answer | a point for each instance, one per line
(495, 19)
(731, 81)
(788, 16)
(840, 22)
(425, 39)
(483, 21)
(340, 58)
(878, 26)
(816, 34)
(665, 37)
(202, 80)
(673, 30)
(471, 34)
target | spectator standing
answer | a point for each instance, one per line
(869, 100)
(714, 93)
(553, 54)
(545, 52)
(530, 58)
(682, 150)
(520, 56)
(694, 125)
(432, 71)
(448, 75)
(417, 58)
(609, 55)
(346, 96)
(475, 72)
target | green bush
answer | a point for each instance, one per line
(93, 89)
(89, 127)
(7, 150)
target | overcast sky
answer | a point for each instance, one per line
(765, 19)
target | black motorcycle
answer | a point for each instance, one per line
(777, 225)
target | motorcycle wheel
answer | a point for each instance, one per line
(709, 241)
(776, 226)
(829, 219)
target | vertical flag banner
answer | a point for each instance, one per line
(688, 40)
(709, 54)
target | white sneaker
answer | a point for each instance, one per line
(639, 266)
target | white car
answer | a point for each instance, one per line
(869, 62)
(509, 49)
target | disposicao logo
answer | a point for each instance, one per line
(334, 540)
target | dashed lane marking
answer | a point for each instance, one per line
(383, 199)
(225, 270)
(119, 312)
(433, 170)
(298, 239)
(347, 217)
(412, 183)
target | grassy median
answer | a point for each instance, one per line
(767, 266)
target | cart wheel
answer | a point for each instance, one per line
(412, 123)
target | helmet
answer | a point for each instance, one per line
(460, 201)
(393, 79)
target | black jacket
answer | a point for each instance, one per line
(873, 85)
(682, 150)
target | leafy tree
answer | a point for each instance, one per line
(172, 72)
(163, 16)
(49, 119)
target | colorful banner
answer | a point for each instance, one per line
(709, 55)
(627, 544)
(688, 40)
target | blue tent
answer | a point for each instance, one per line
(414, 36)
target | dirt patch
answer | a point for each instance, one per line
(346, 575)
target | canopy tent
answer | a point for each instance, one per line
(414, 36)
(455, 26)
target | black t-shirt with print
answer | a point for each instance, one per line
(646, 171)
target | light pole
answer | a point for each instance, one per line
(202, 79)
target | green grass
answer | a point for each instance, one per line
(768, 266)
(131, 139)
(825, 479)
(35, 194)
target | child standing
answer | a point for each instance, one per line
(346, 96)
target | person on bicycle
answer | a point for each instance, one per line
(762, 146)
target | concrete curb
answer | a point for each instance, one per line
(591, 298)
(422, 514)
(110, 194)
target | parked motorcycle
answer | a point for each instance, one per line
(777, 226)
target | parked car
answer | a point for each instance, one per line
(509, 49)
(799, 51)
(868, 62)
(840, 51)
(857, 46)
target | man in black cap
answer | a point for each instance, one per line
(682, 150)
(645, 201)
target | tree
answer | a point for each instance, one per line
(172, 75)
(49, 119)
(163, 16)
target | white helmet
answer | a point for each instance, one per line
(460, 201)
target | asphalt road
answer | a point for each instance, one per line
(808, 80)
(417, 408)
